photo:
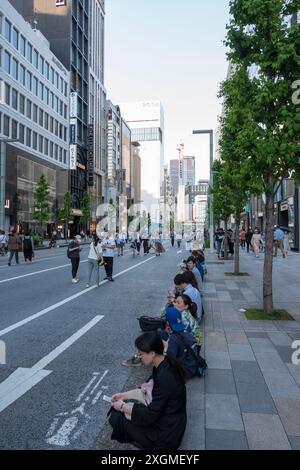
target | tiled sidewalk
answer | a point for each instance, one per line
(250, 398)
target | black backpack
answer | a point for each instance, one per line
(195, 351)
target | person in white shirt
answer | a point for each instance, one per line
(94, 258)
(120, 242)
(108, 246)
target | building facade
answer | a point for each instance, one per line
(146, 121)
(34, 97)
(174, 175)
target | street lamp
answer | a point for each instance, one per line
(210, 132)
(3, 142)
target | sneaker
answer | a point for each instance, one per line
(74, 281)
(134, 361)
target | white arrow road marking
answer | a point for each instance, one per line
(22, 380)
(65, 301)
(63, 435)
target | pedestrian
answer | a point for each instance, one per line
(120, 243)
(249, 236)
(256, 241)
(137, 240)
(183, 285)
(190, 322)
(178, 239)
(94, 260)
(191, 264)
(243, 238)
(172, 236)
(219, 238)
(279, 236)
(14, 246)
(286, 243)
(158, 245)
(146, 243)
(74, 255)
(108, 246)
(3, 243)
(159, 422)
(28, 247)
(231, 238)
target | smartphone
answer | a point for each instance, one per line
(106, 398)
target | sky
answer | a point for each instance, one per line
(172, 51)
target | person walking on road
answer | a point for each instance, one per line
(120, 242)
(3, 243)
(249, 236)
(256, 241)
(146, 243)
(172, 236)
(94, 260)
(108, 246)
(279, 236)
(28, 247)
(286, 243)
(137, 240)
(74, 255)
(178, 239)
(14, 246)
(243, 238)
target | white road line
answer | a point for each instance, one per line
(95, 376)
(38, 272)
(63, 302)
(180, 251)
(66, 344)
(22, 380)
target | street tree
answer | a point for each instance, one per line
(260, 38)
(65, 213)
(41, 207)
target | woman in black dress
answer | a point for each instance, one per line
(161, 423)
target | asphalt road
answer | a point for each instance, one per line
(65, 343)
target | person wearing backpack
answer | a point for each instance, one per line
(94, 260)
(28, 247)
(74, 255)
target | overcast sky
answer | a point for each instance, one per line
(172, 51)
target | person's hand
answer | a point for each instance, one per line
(118, 397)
(117, 405)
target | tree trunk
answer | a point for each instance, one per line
(268, 263)
(225, 242)
(237, 244)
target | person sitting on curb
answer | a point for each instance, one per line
(159, 425)
(183, 286)
(179, 343)
(191, 264)
(190, 322)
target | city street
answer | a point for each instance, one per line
(65, 344)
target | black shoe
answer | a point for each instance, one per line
(111, 279)
(9, 264)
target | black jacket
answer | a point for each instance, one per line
(162, 423)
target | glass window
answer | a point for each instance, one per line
(56, 104)
(52, 75)
(41, 118)
(6, 126)
(51, 149)
(56, 128)
(65, 111)
(22, 75)
(41, 68)
(60, 154)
(41, 91)
(56, 152)
(60, 131)
(14, 129)
(61, 85)
(7, 62)
(51, 100)
(29, 109)
(29, 80)
(46, 95)
(46, 121)
(35, 86)
(14, 99)
(21, 133)
(66, 89)
(36, 59)
(7, 94)
(61, 109)
(35, 113)
(65, 157)
(65, 134)
(22, 104)
(29, 52)
(15, 69)
(16, 38)
(23, 46)
(28, 137)
(57, 80)
(41, 144)
(7, 30)
(51, 124)
(34, 140)
(47, 70)
(46, 146)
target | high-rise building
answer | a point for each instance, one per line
(135, 173)
(34, 98)
(188, 170)
(75, 30)
(174, 175)
(146, 121)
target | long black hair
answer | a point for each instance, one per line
(191, 305)
(189, 278)
(151, 341)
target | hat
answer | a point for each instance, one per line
(173, 317)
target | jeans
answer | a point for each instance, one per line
(120, 247)
(93, 265)
(75, 266)
(279, 244)
(12, 254)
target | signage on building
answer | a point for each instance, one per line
(61, 3)
(73, 157)
(90, 155)
(73, 104)
(77, 212)
(284, 206)
(73, 131)
(79, 165)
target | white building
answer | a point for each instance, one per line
(146, 120)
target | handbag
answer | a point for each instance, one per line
(151, 323)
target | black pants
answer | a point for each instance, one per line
(12, 254)
(75, 266)
(109, 265)
(138, 246)
(146, 246)
(248, 246)
(172, 241)
(243, 244)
